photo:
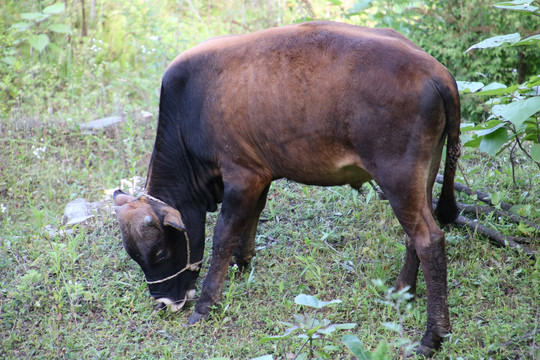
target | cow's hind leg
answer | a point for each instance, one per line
(426, 245)
(246, 248)
(432, 254)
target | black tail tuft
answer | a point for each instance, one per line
(447, 210)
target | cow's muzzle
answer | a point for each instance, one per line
(174, 306)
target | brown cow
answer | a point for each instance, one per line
(319, 103)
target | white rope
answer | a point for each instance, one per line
(189, 267)
(144, 193)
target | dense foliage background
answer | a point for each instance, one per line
(81, 51)
(73, 292)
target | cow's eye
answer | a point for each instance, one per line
(161, 255)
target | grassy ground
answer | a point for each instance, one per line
(74, 292)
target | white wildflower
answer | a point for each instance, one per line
(38, 151)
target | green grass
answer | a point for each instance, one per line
(75, 293)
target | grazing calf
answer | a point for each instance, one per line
(320, 103)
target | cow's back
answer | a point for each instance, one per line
(318, 103)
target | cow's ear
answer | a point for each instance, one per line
(120, 198)
(173, 218)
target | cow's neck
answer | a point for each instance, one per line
(176, 177)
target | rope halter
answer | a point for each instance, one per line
(196, 266)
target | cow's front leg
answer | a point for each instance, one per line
(409, 271)
(246, 248)
(234, 222)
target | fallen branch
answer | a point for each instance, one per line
(482, 196)
(517, 339)
(501, 239)
(514, 242)
(486, 210)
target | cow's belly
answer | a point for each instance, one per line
(339, 171)
(350, 175)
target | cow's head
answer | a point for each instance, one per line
(155, 236)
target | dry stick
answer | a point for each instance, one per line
(522, 148)
(472, 209)
(503, 240)
(476, 216)
(487, 210)
(515, 340)
(481, 195)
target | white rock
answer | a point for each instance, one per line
(101, 123)
(79, 210)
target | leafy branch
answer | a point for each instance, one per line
(496, 209)
(514, 110)
(40, 23)
(310, 329)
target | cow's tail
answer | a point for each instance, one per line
(447, 210)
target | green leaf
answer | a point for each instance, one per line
(497, 91)
(55, 8)
(60, 28)
(312, 331)
(10, 60)
(466, 126)
(531, 40)
(486, 125)
(359, 7)
(331, 348)
(470, 141)
(533, 81)
(493, 86)
(469, 86)
(327, 330)
(392, 326)
(491, 143)
(356, 347)
(312, 301)
(382, 352)
(333, 327)
(518, 111)
(39, 42)
(345, 326)
(518, 5)
(286, 335)
(535, 152)
(264, 357)
(34, 16)
(490, 129)
(496, 41)
(20, 26)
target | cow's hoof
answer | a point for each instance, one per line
(425, 351)
(160, 306)
(242, 265)
(195, 318)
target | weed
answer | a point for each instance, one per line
(314, 333)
